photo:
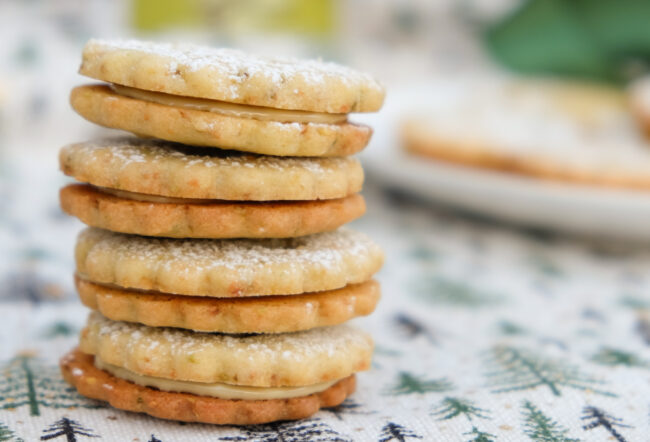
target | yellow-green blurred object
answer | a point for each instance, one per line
(316, 17)
(152, 15)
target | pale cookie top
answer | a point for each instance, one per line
(228, 268)
(233, 76)
(287, 359)
(569, 127)
(174, 170)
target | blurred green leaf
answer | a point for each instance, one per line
(585, 38)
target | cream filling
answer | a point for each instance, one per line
(217, 390)
(144, 197)
(231, 109)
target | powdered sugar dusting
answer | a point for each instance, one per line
(237, 67)
(327, 250)
(309, 344)
(127, 150)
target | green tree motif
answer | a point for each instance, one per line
(410, 384)
(59, 328)
(518, 369)
(544, 266)
(480, 436)
(24, 381)
(541, 428)
(510, 328)
(393, 431)
(6, 435)
(441, 290)
(634, 302)
(451, 407)
(613, 356)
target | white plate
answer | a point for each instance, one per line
(576, 209)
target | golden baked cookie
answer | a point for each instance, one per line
(104, 106)
(207, 218)
(228, 268)
(232, 76)
(272, 360)
(78, 369)
(173, 170)
(559, 131)
(264, 314)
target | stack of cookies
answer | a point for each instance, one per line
(217, 270)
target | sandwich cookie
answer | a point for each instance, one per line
(155, 188)
(226, 98)
(263, 314)
(228, 268)
(215, 378)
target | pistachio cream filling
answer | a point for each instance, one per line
(230, 109)
(144, 197)
(217, 390)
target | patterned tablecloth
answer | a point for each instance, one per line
(483, 333)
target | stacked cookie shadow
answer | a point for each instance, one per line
(220, 280)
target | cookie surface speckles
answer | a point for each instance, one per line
(277, 360)
(233, 76)
(158, 168)
(78, 370)
(216, 219)
(228, 268)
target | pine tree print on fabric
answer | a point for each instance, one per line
(312, 430)
(154, 439)
(6, 435)
(347, 407)
(510, 328)
(545, 267)
(451, 407)
(597, 418)
(613, 356)
(411, 328)
(392, 431)
(541, 428)
(514, 369)
(68, 428)
(442, 290)
(24, 381)
(480, 436)
(411, 384)
(59, 328)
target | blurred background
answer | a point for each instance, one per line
(508, 179)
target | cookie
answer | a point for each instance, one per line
(180, 218)
(172, 170)
(228, 268)
(559, 131)
(639, 99)
(264, 314)
(270, 360)
(185, 124)
(78, 369)
(232, 76)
